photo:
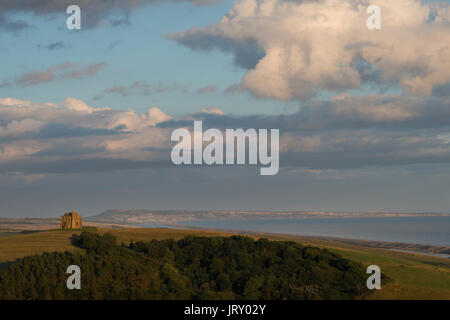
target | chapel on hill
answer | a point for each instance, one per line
(71, 220)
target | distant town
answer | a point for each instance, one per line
(168, 217)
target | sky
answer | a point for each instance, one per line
(86, 115)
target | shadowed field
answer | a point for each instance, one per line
(19, 245)
(414, 276)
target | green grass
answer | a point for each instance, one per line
(414, 276)
(413, 279)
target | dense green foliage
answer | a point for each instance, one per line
(191, 268)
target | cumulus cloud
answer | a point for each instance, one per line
(36, 133)
(345, 132)
(80, 106)
(19, 150)
(311, 46)
(156, 115)
(19, 127)
(352, 132)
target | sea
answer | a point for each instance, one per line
(431, 230)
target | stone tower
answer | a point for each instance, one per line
(71, 220)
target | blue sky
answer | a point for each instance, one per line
(141, 52)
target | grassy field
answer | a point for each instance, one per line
(13, 247)
(17, 246)
(8, 234)
(414, 276)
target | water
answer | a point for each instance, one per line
(155, 225)
(420, 230)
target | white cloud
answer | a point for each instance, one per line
(156, 115)
(79, 105)
(19, 127)
(311, 46)
(345, 132)
(40, 128)
(213, 110)
(19, 150)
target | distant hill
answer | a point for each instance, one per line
(113, 214)
(141, 216)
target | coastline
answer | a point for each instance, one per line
(412, 248)
(15, 226)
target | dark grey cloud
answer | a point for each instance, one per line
(5, 84)
(11, 25)
(234, 88)
(137, 87)
(114, 44)
(88, 71)
(378, 112)
(207, 89)
(80, 165)
(64, 131)
(442, 91)
(93, 11)
(351, 132)
(60, 130)
(121, 21)
(142, 88)
(66, 70)
(246, 53)
(63, 149)
(346, 150)
(362, 149)
(58, 45)
(42, 76)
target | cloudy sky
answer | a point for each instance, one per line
(86, 115)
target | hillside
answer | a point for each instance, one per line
(234, 267)
(414, 276)
(18, 245)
